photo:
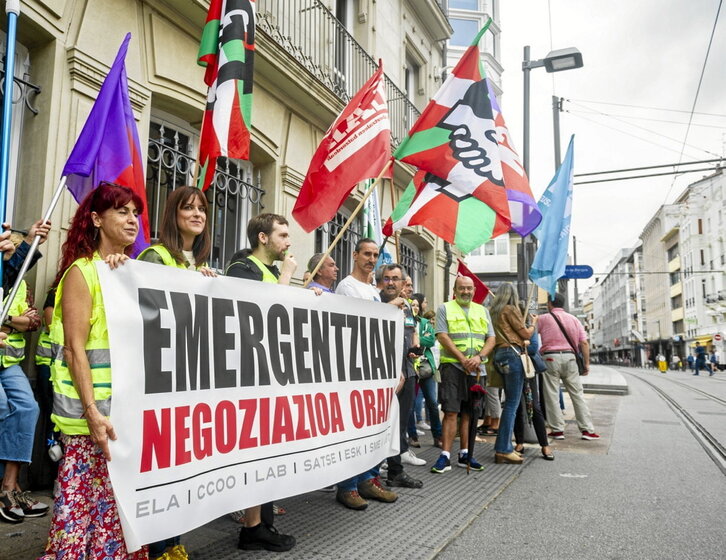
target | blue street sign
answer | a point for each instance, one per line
(578, 271)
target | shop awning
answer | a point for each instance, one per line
(703, 340)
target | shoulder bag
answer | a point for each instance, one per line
(578, 355)
(527, 364)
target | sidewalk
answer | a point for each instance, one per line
(419, 525)
(605, 380)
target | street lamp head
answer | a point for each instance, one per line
(563, 59)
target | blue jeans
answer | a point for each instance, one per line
(351, 484)
(430, 390)
(18, 415)
(513, 386)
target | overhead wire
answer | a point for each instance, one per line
(591, 112)
(648, 130)
(647, 107)
(698, 91)
(626, 133)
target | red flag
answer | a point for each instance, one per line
(480, 290)
(355, 147)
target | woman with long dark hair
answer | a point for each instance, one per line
(512, 339)
(85, 517)
(184, 242)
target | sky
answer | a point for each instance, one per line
(648, 53)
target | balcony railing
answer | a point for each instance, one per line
(315, 38)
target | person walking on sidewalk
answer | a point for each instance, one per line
(701, 361)
(559, 356)
(464, 331)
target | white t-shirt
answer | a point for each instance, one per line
(351, 287)
(189, 256)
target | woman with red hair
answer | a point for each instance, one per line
(85, 518)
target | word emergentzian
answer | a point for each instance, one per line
(297, 346)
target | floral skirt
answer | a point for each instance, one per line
(85, 523)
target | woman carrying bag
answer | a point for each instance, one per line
(512, 337)
(529, 406)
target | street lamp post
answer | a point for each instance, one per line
(556, 61)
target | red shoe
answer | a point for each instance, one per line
(557, 435)
(589, 435)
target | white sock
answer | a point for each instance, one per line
(446, 454)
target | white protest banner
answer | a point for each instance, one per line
(230, 393)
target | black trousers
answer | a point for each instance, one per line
(405, 405)
(537, 416)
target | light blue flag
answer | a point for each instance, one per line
(372, 227)
(553, 233)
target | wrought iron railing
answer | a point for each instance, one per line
(315, 38)
(233, 198)
(415, 266)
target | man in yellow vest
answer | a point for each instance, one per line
(466, 335)
(269, 240)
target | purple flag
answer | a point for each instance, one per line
(108, 147)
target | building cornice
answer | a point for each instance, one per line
(87, 75)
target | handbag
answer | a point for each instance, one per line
(425, 370)
(527, 364)
(579, 358)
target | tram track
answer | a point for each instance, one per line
(713, 448)
(695, 390)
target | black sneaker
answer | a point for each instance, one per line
(404, 481)
(264, 537)
(10, 510)
(30, 507)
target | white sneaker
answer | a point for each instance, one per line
(420, 432)
(409, 458)
(423, 425)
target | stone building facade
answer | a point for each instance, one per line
(311, 57)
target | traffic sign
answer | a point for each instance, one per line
(717, 337)
(578, 271)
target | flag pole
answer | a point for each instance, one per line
(33, 248)
(396, 240)
(12, 10)
(348, 222)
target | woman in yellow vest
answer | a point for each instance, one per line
(85, 517)
(184, 242)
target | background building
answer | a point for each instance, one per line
(311, 57)
(675, 295)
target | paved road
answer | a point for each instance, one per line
(655, 494)
(646, 490)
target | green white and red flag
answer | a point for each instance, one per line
(524, 212)
(454, 144)
(357, 146)
(446, 210)
(227, 51)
